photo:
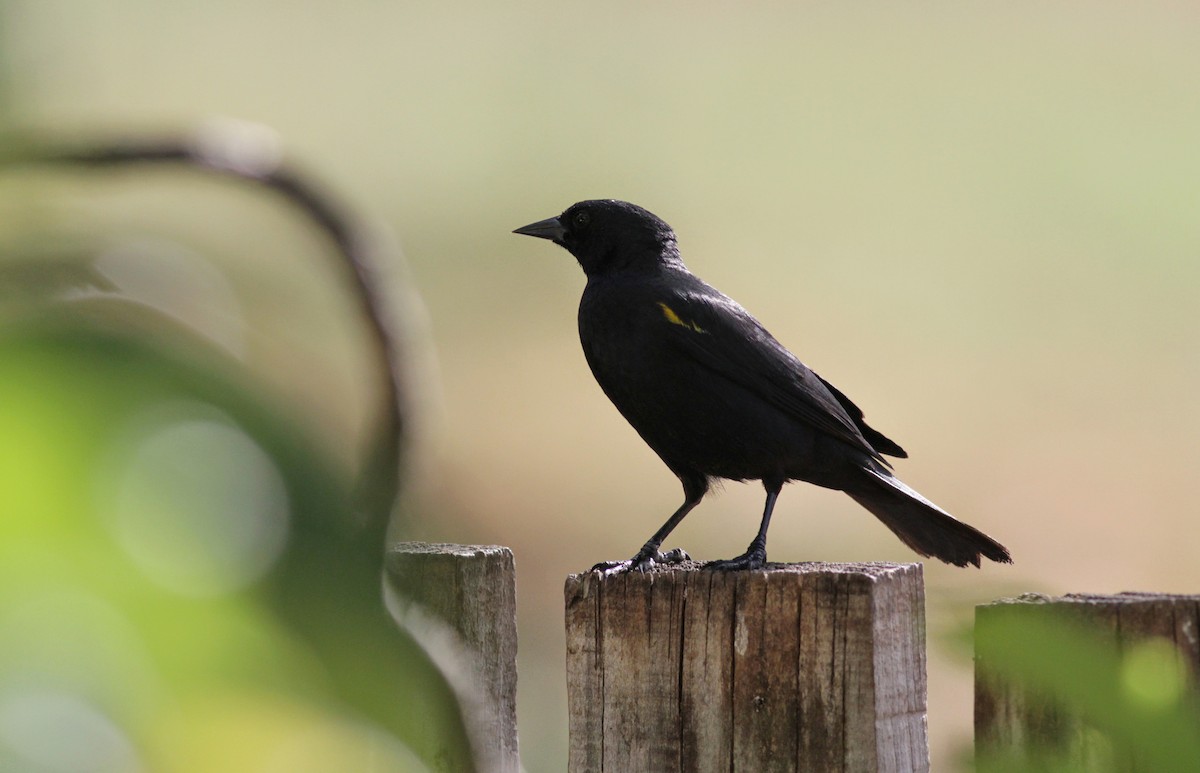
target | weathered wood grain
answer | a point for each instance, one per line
(799, 667)
(472, 590)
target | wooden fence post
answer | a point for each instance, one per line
(1056, 682)
(472, 590)
(799, 667)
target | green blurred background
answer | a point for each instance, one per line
(978, 220)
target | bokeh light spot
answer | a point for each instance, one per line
(1153, 675)
(47, 731)
(195, 501)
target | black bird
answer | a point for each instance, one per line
(716, 396)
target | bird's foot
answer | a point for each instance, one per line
(642, 562)
(754, 558)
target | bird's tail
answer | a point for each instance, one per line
(923, 526)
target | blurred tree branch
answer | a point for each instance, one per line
(250, 153)
(326, 585)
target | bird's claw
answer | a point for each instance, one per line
(644, 561)
(750, 560)
(673, 556)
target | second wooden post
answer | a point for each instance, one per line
(797, 667)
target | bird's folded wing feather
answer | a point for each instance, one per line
(880, 442)
(726, 339)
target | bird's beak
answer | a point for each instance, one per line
(549, 228)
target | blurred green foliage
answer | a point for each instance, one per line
(185, 582)
(1069, 697)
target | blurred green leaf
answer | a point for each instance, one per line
(184, 582)
(1083, 703)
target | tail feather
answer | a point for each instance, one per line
(923, 526)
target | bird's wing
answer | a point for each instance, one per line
(880, 442)
(723, 337)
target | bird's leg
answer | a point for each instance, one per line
(694, 489)
(755, 556)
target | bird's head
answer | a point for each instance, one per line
(608, 236)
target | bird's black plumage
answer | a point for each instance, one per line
(716, 396)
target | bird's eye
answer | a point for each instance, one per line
(581, 219)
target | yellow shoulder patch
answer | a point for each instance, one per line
(675, 319)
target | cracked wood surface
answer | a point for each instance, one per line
(795, 667)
